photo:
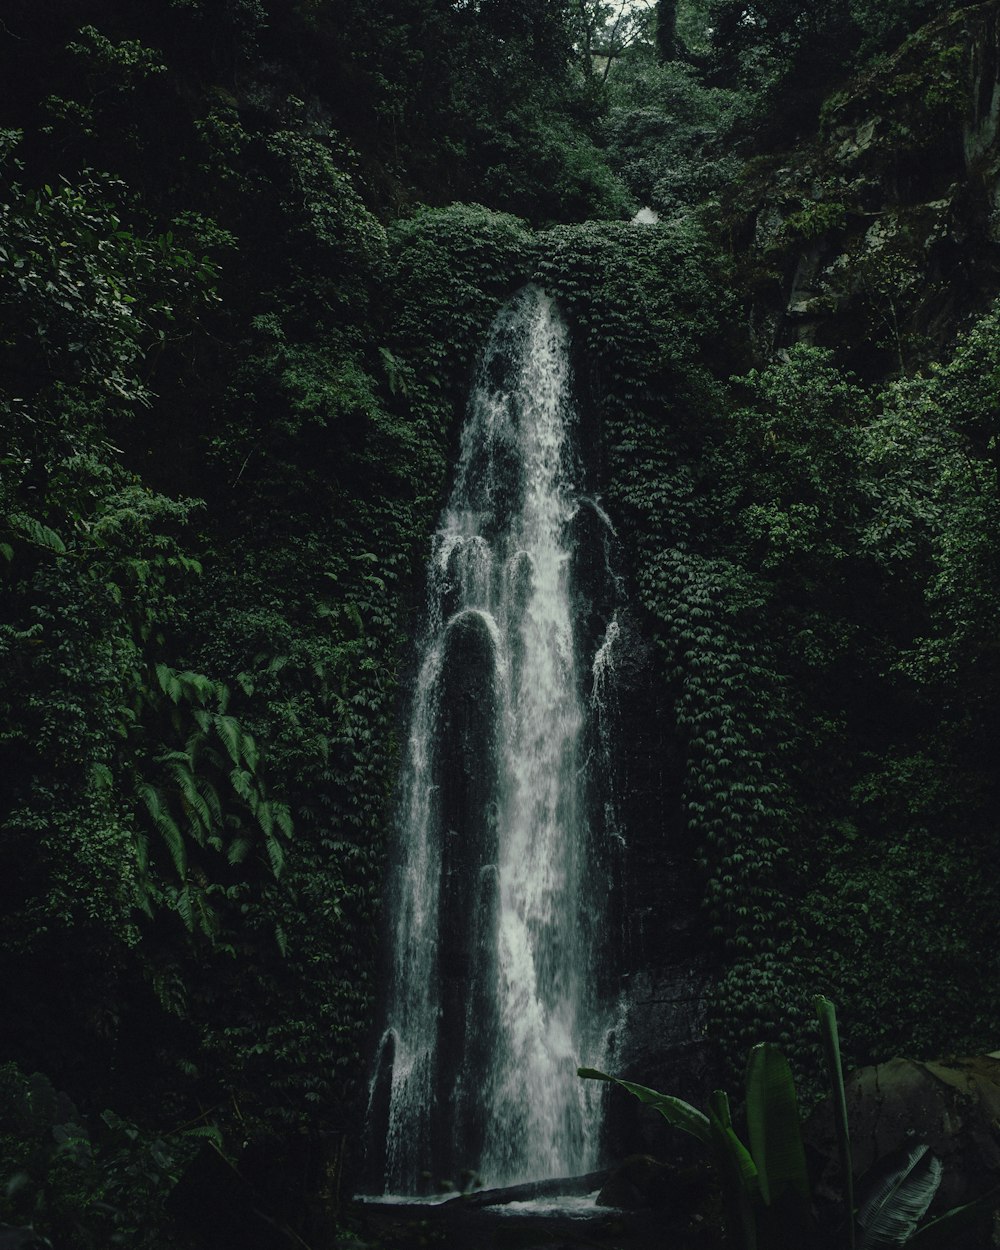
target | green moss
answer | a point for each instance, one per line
(814, 220)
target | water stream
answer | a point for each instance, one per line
(499, 898)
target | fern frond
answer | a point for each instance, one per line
(282, 817)
(172, 757)
(38, 533)
(211, 797)
(208, 921)
(101, 776)
(238, 850)
(184, 907)
(197, 687)
(229, 731)
(240, 781)
(142, 900)
(194, 804)
(166, 825)
(163, 675)
(275, 855)
(265, 818)
(193, 745)
(248, 749)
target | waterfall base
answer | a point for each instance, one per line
(562, 1213)
(573, 1224)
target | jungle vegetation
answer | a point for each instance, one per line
(248, 249)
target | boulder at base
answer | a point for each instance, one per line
(952, 1106)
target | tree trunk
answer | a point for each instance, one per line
(666, 30)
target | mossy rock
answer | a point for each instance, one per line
(950, 1105)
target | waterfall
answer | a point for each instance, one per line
(501, 881)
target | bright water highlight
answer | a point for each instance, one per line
(498, 899)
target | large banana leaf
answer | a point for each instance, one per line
(718, 1103)
(737, 1173)
(674, 1110)
(827, 1015)
(773, 1124)
(889, 1215)
(940, 1234)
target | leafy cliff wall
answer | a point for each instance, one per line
(877, 236)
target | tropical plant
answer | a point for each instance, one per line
(765, 1186)
(65, 1182)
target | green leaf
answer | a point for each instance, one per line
(827, 1015)
(195, 805)
(248, 749)
(718, 1104)
(229, 731)
(891, 1212)
(174, 688)
(238, 850)
(205, 1132)
(773, 1125)
(240, 781)
(38, 533)
(198, 687)
(211, 797)
(738, 1175)
(102, 776)
(276, 856)
(675, 1111)
(166, 825)
(184, 908)
(282, 817)
(940, 1234)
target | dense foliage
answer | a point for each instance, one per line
(248, 252)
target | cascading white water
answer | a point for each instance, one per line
(498, 895)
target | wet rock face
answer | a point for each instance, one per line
(951, 1106)
(466, 783)
(881, 234)
(667, 968)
